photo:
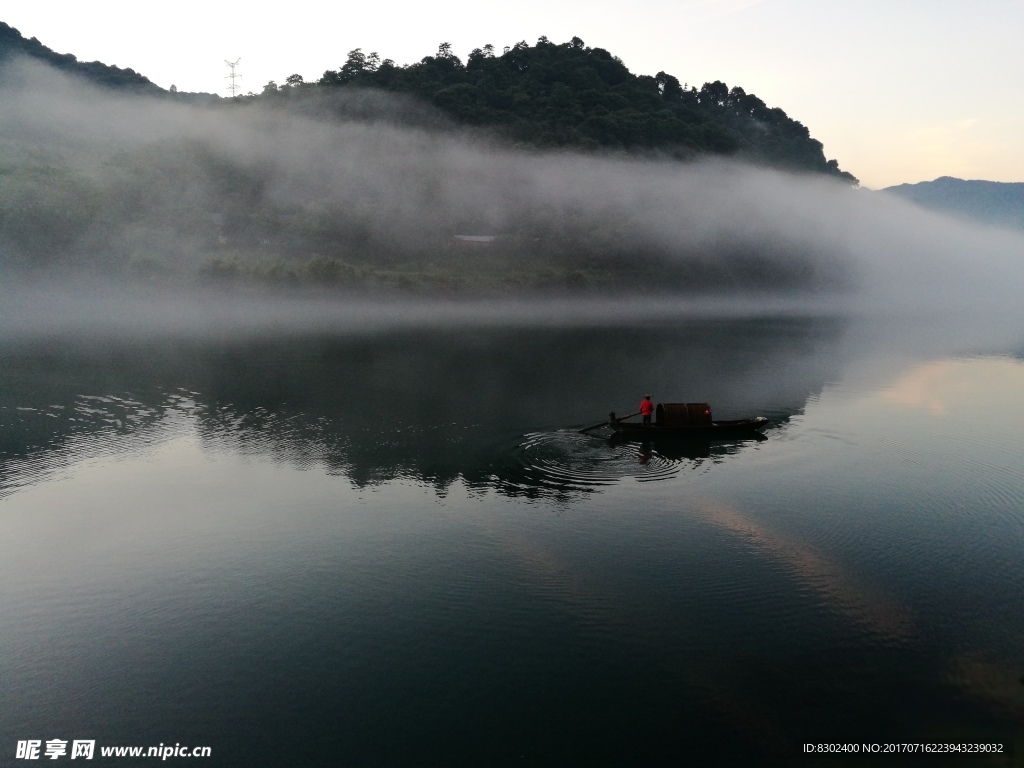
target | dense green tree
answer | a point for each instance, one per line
(551, 95)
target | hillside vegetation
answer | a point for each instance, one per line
(571, 95)
(13, 44)
(547, 167)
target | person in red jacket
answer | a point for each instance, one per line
(646, 409)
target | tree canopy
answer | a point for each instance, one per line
(572, 95)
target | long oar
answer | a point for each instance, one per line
(606, 422)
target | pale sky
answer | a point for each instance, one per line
(897, 90)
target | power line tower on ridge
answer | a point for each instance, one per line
(233, 76)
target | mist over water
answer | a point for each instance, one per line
(403, 183)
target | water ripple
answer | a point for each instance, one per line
(42, 442)
(566, 462)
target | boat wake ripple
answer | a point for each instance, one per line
(567, 462)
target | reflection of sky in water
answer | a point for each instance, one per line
(861, 565)
(951, 387)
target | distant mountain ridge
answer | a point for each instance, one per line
(990, 202)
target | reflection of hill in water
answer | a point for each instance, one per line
(435, 406)
(60, 403)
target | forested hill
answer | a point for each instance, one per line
(12, 44)
(571, 95)
(547, 96)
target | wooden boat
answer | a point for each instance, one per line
(726, 428)
(686, 420)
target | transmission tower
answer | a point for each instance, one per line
(233, 76)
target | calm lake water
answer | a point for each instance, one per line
(394, 549)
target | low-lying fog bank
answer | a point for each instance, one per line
(150, 193)
(37, 310)
(29, 312)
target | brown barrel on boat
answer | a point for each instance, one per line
(682, 414)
